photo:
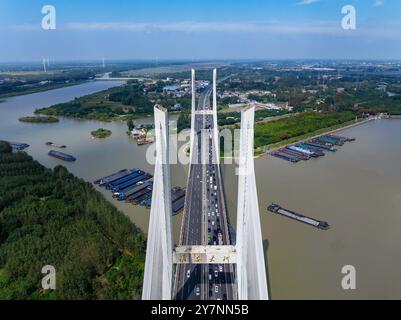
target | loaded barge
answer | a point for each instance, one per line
(18, 146)
(61, 155)
(275, 208)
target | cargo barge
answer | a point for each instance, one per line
(118, 182)
(316, 151)
(178, 205)
(320, 146)
(138, 179)
(61, 155)
(331, 141)
(177, 193)
(344, 139)
(18, 146)
(141, 195)
(126, 194)
(303, 151)
(296, 154)
(275, 208)
(116, 176)
(280, 155)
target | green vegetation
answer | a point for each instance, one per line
(39, 119)
(5, 147)
(307, 122)
(101, 133)
(50, 217)
(127, 102)
(183, 122)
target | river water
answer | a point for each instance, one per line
(357, 190)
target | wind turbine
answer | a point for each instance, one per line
(44, 64)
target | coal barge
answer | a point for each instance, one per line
(61, 155)
(275, 208)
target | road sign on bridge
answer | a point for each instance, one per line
(205, 255)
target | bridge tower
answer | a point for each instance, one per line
(157, 284)
(216, 130)
(193, 108)
(251, 271)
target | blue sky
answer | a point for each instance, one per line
(220, 29)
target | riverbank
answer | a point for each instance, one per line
(3, 97)
(39, 119)
(259, 152)
(318, 133)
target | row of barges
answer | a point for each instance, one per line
(135, 186)
(313, 148)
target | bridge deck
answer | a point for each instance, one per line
(205, 216)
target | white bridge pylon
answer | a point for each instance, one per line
(251, 270)
(157, 283)
(247, 253)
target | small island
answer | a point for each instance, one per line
(101, 133)
(39, 119)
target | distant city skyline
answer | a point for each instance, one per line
(200, 30)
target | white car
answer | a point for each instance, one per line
(216, 289)
(216, 273)
(197, 291)
(188, 273)
(221, 268)
(212, 223)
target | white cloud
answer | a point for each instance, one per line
(378, 3)
(325, 27)
(306, 2)
(390, 29)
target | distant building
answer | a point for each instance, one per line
(176, 107)
(171, 88)
(382, 87)
(137, 132)
(340, 90)
(288, 107)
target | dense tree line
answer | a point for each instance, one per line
(50, 217)
(133, 94)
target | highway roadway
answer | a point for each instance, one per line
(205, 219)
